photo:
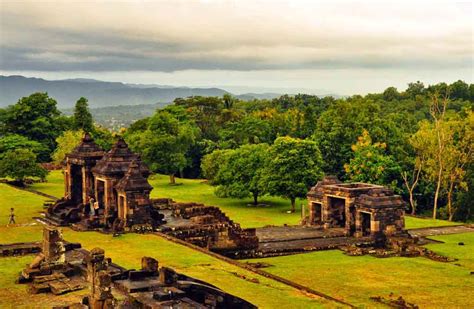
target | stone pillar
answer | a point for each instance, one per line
(325, 212)
(101, 295)
(149, 264)
(85, 192)
(358, 224)
(311, 212)
(67, 180)
(53, 246)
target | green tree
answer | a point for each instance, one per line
(212, 163)
(459, 154)
(411, 179)
(294, 165)
(19, 164)
(415, 89)
(35, 117)
(249, 130)
(241, 174)
(66, 144)
(340, 125)
(206, 112)
(15, 141)
(459, 90)
(391, 94)
(164, 144)
(370, 162)
(103, 137)
(82, 117)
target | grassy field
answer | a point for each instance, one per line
(354, 279)
(450, 247)
(54, 185)
(196, 190)
(127, 251)
(427, 283)
(25, 205)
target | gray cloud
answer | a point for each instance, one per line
(167, 37)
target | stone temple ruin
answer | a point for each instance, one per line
(360, 209)
(63, 267)
(110, 192)
(104, 190)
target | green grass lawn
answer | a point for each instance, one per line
(416, 222)
(53, 186)
(354, 279)
(450, 247)
(427, 283)
(25, 205)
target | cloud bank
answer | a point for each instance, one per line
(235, 36)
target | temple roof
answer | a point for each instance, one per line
(87, 148)
(116, 162)
(317, 190)
(380, 198)
(133, 180)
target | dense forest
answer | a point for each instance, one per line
(419, 142)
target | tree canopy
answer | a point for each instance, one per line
(294, 165)
(19, 164)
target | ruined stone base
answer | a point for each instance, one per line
(57, 270)
(404, 245)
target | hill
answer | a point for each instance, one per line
(99, 93)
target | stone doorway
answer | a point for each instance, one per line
(76, 183)
(121, 207)
(338, 207)
(365, 218)
(100, 190)
(317, 213)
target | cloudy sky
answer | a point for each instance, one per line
(341, 47)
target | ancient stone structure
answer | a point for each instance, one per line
(49, 271)
(63, 268)
(207, 227)
(104, 190)
(361, 209)
(110, 191)
(100, 280)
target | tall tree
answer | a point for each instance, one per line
(241, 174)
(459, 153)
(164, 143)
(66, 144)
(19, 164)
(36, 117)
(294, 165)
(82, 116)
(15, 141)
(411, 179)
(370, 162)
(212, 164)
(438, 112)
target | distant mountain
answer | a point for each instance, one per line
(252, 96)
(99, 93)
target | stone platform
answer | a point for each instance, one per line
(284, 240)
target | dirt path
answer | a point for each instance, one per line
(441, 230)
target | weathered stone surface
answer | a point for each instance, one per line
(361, 209)
(104, 190)
(150, 287)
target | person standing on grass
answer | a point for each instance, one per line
(12, 216)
